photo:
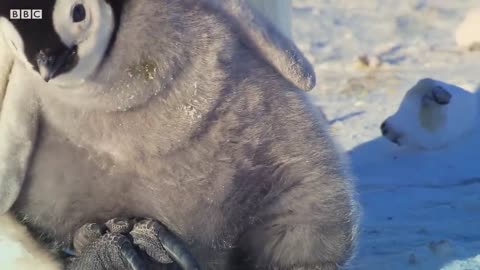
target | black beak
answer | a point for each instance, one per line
(50, 63)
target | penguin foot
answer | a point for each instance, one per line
(133, 244)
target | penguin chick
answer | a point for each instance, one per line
(256, 31)
(164, 112)
(432, 115)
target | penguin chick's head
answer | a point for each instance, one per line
(68, 43)
(432, 115)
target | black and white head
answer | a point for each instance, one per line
(68, 43)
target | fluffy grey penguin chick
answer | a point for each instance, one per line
(19, 122)
(160, 109)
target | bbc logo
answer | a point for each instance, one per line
(25, 14)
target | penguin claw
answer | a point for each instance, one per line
(161, 245)
(129, 244)
(110, 251)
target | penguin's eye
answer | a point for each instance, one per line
(78, 13)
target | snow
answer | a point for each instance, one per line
(421, 210)
(468, 33)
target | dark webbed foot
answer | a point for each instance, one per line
(129, 244)
(161, 245)
(119, 225)
(86, 235)
(105, 247)
(144, 237)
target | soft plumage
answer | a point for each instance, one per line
(185, 122)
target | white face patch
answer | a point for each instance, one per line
(91, 34)
(430, 117)
(13, 40)
(416, 121)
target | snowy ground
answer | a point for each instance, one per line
(421, 210)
